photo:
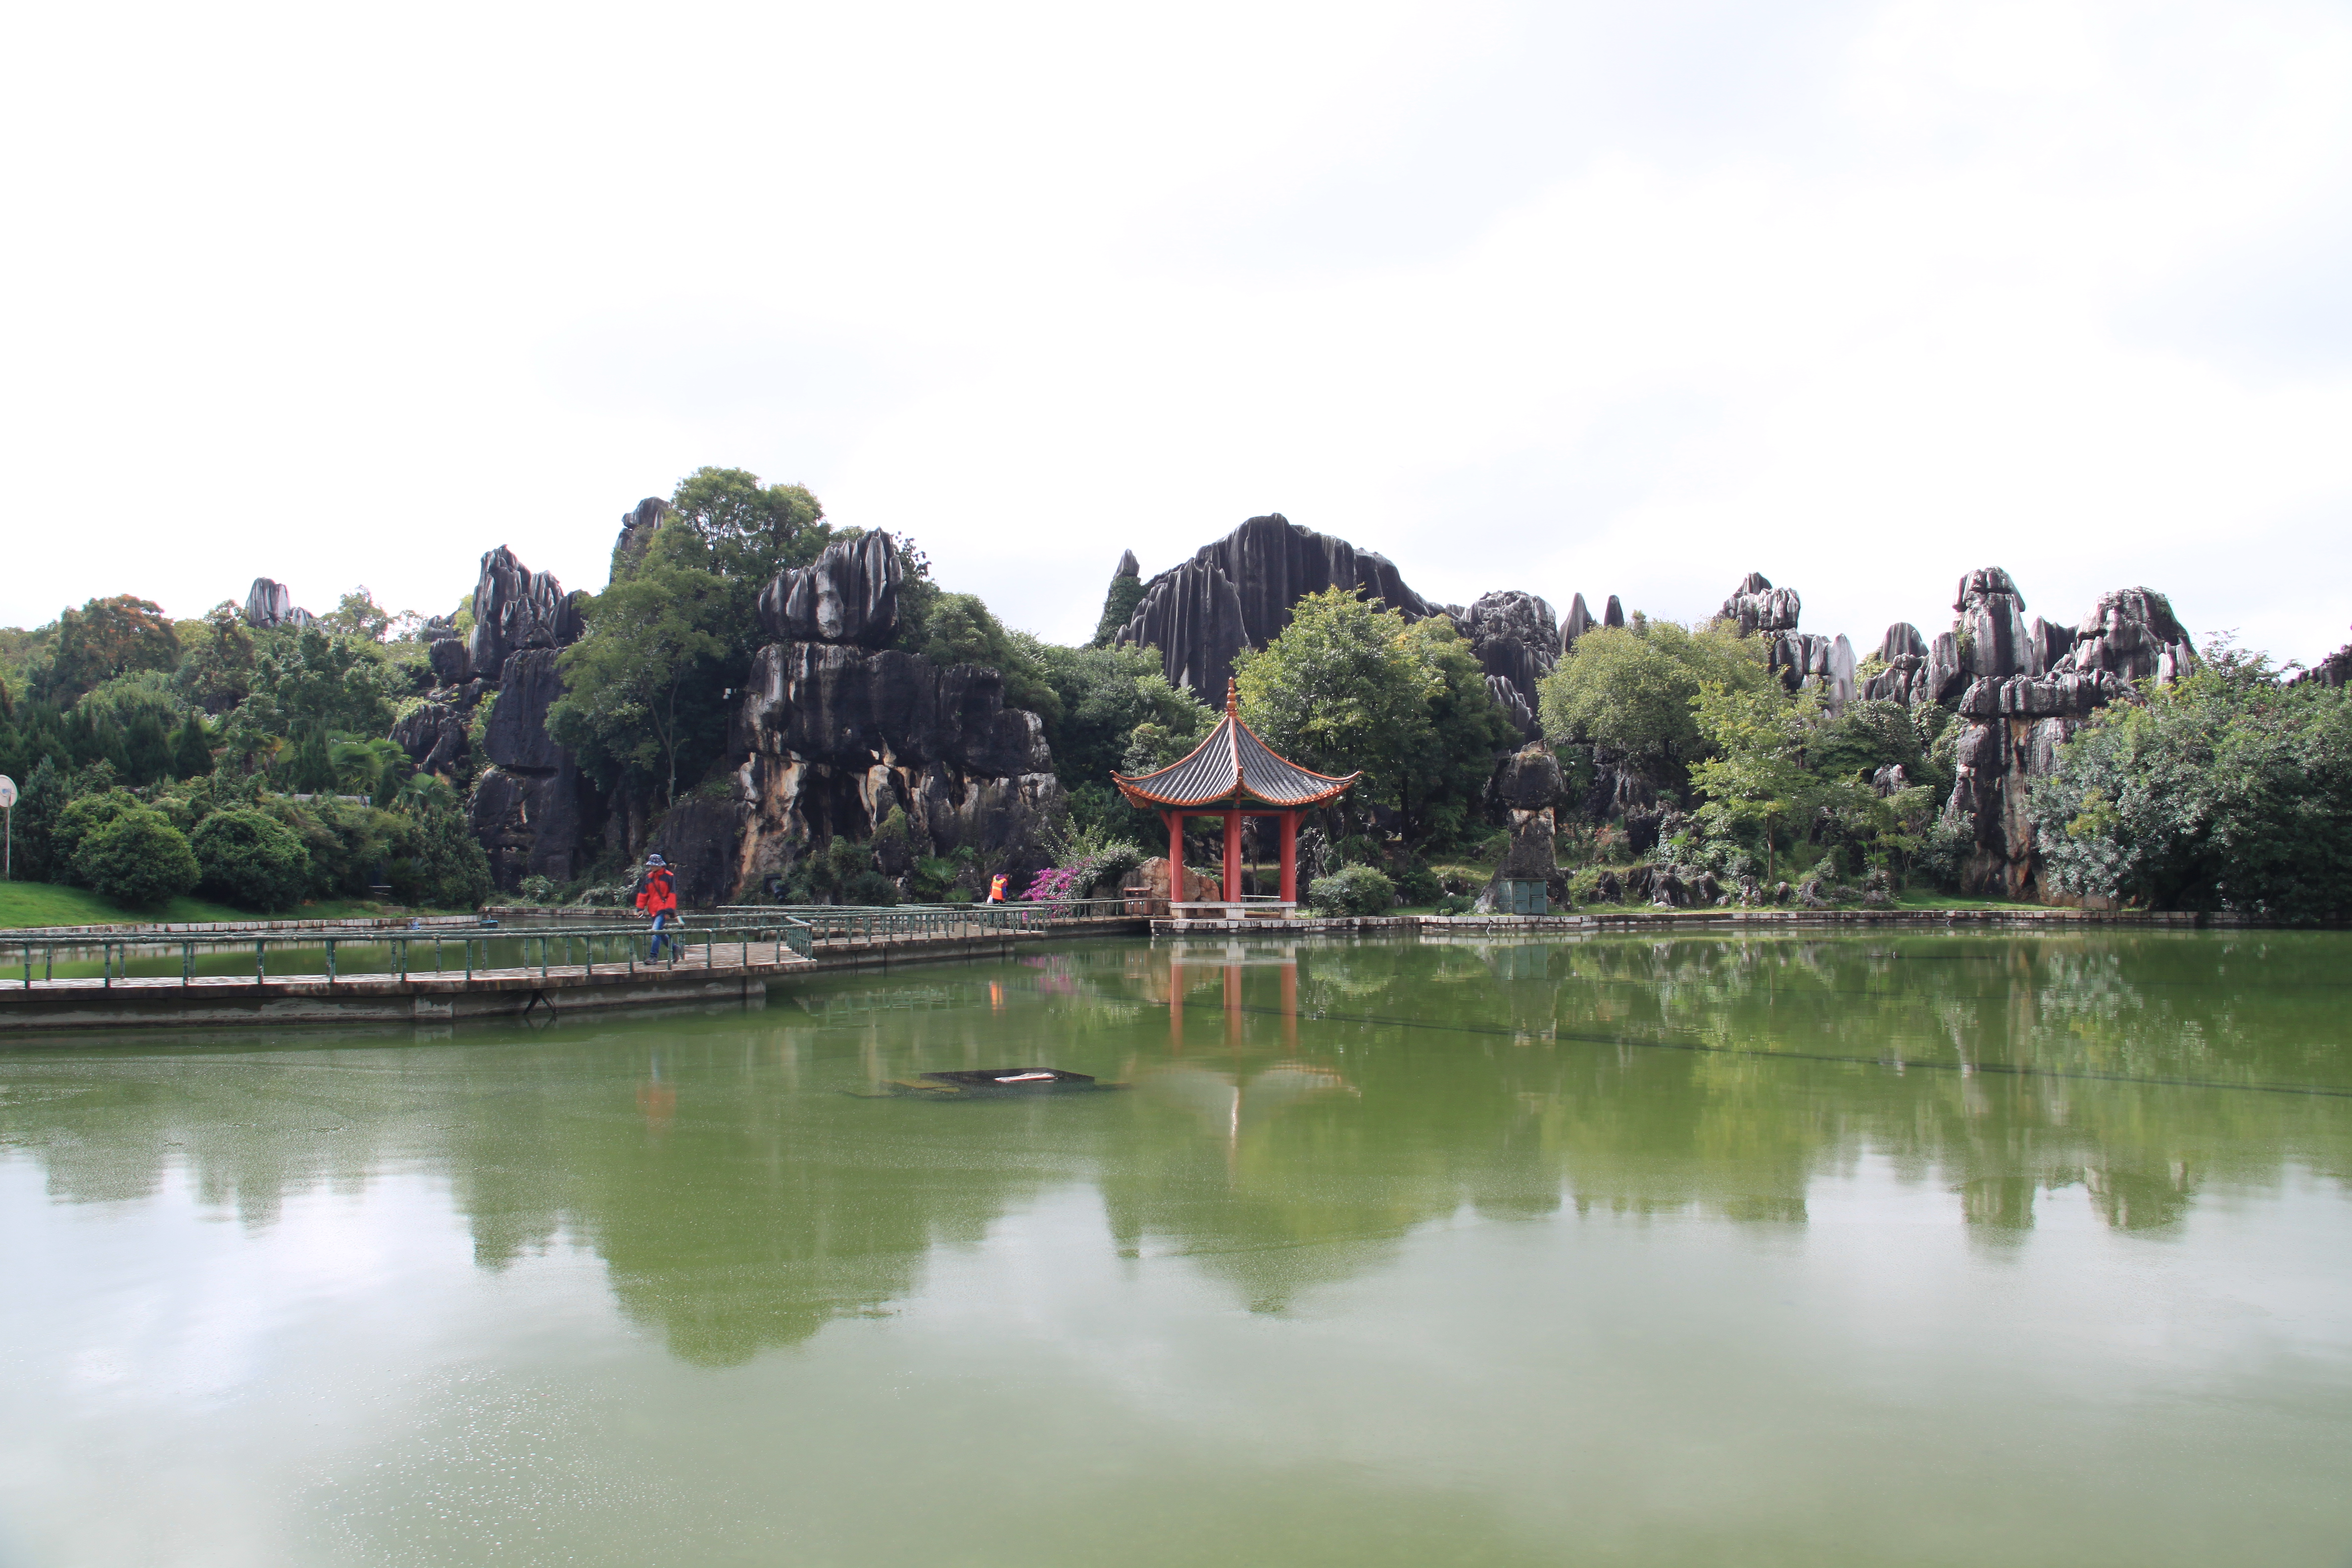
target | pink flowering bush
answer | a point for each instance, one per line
(1056, 885)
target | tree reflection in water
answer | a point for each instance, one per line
(1297, 1108)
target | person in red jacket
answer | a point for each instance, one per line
(657, 897)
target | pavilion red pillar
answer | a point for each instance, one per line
(1175, 1006)
(1175, 856)
(1233, 854)
(1290, 857)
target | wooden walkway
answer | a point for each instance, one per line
(84, 1009)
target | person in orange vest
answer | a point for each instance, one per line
(657, 897)
(996, 889)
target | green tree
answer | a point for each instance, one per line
(306, 684)
(1757, 784)
(249, 859)
(104, 638)
(139, 860)
(2226, 790)
(357, 616)
(191, 750)
(1442, 784)
(80, 820)
(215, 671)
(1631, 690)
(1343, 689)
(1118, 608)
(1099, 696)
(645, 682)
(452, 869)
(1332, 692)
(750, 531)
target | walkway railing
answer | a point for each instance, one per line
(37, 961)
(30, 962)
(878, 922)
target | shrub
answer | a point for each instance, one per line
(538, 889)
(1420, 886)
(1356, 891)
(138, 860)
(453, 871)
(1457, 904)
(251, 858)
(80, 820)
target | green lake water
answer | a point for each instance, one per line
(1967, 1249)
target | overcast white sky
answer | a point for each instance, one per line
(1628, 298)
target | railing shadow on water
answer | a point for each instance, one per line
(31, 962)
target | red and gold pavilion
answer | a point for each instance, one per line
(1233, 774)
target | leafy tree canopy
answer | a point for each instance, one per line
(2226, 790)
(104, 638)
(750, 531)
(645, 687)
(1630, 690)
(1350, 685)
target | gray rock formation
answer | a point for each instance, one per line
(1916, 670)
(848, 594)
(1614, 616)
(516, 608)
(2336, 669)
(1513, 636)
(1995, 640)
(637, 527)
(533, 811)
(2133, 633)
(1574, 624)
(1516, 708)
(835, 737)
(271, 604)
(1237, 593)
(1758, 606)
(1128, 566)
(539, 824)
(516, 737)
(434, 735)
(1529, 779)
(1526, 785)
(2029, 688)
(1902, 641)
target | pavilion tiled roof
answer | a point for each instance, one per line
(1232, 767)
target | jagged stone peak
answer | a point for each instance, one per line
(1758, 606)
(1574, 624)
(517, 608)
(1986, 583)
(269, 603)
(848, 594)
(637, 527)
(1902, 640)
(1237, 591)
(1128, 566)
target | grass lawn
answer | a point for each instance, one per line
(25, 904)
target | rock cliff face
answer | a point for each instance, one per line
(529, 806)
(1758, 606)
(271, 604)
(834, 731)
(1237, 593)
(637, 527)
(516, 608)
(849, 595)
(2029, 687)
(1513, 636)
